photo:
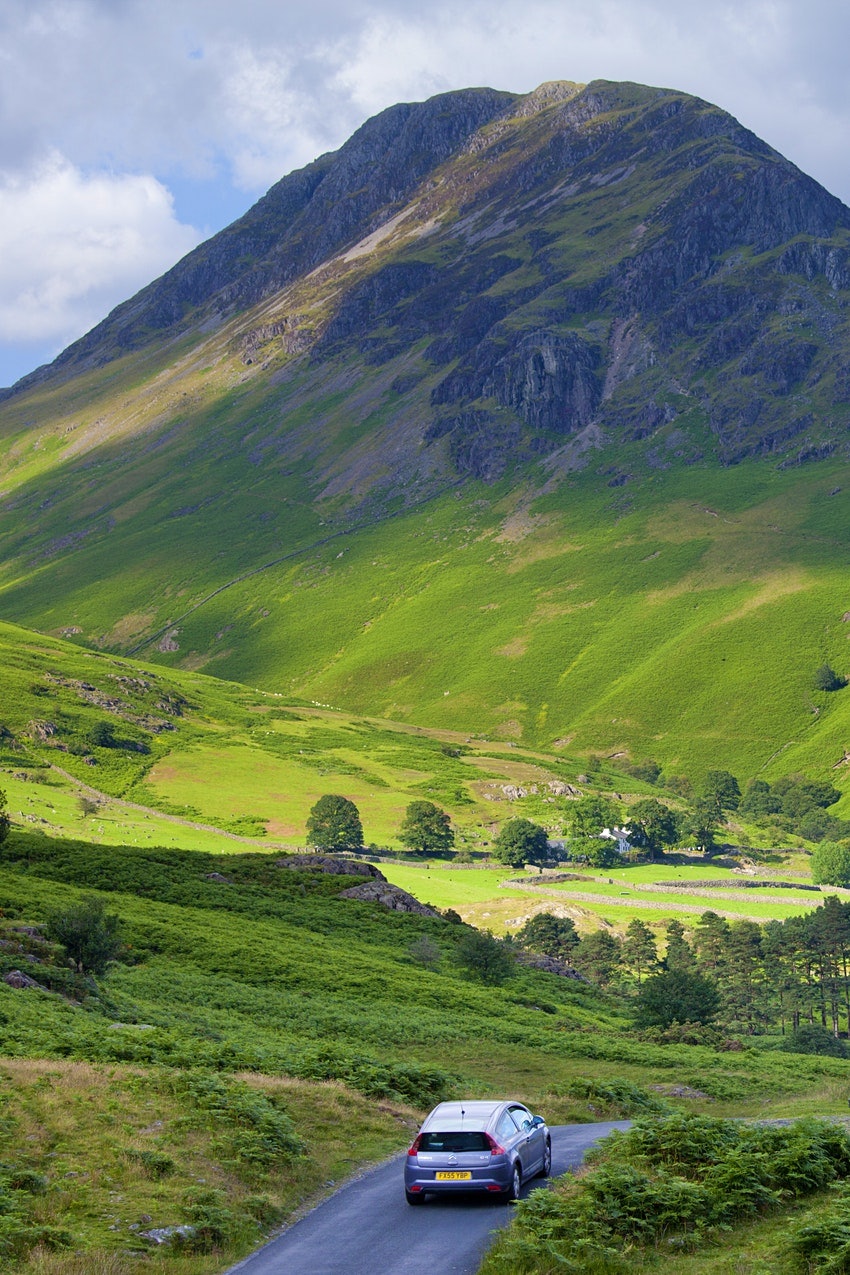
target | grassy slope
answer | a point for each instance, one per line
(276, 977)
(683, 622)
(679, 616)
(82, 1127)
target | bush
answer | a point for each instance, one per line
(154, 1164)
(614, 1099)
(89, 935)
(674, 1179)
(485, 957)
(259, 1133)
(824, 1244)
(812, 1038)
(826, 679)
(4, 817)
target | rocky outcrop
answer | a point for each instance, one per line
(333, 864)
(20, 981)
(389, 896)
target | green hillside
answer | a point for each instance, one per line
(458, 447)
(255, 1016)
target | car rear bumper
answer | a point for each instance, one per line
(422, 1180)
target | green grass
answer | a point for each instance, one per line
(125, 1149)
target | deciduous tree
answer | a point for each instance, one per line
(589, 815)
(426, 828)
(831, 863)
(723, 787)
(652, 826)
(334, 824)
(519, 842)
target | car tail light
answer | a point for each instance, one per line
(415, 1148)
(495, 1148)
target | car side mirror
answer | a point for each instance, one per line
(538, 1121)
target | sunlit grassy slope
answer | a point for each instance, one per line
(681, 619)
(197, 762)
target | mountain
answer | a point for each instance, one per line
(492, 419)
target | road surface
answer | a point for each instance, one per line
(367, 1228)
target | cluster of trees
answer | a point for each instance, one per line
(795, 804)
(334, 824)
(780, 976)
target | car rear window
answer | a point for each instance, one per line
(469, 1140)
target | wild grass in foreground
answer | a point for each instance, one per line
(92, 1157)
(675, 1185)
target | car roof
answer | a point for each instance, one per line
(464, 1115)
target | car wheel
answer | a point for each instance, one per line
(414, 1197)
(513, 1190)
(547, 1159)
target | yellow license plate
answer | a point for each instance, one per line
(453, 1177)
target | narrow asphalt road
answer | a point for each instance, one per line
(366, 1228)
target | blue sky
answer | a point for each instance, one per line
(132, 129)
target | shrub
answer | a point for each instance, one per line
(822, 1245)
(615, 1099)
(260, 1134)
(676, 1178)
(485, 957)
(154, 1164)
(826, 679)
(424, 951)
(812, 1038)
(89, 935)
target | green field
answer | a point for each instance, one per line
(613, 898)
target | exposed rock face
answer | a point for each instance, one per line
(610, 256)
(304, 219)
(389, 896)
(330, 863)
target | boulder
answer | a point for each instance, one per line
(17, 979)
(389, 896)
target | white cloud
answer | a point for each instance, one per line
(72, 246)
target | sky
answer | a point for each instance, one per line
(131, 130)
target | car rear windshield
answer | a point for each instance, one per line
(469, 1140)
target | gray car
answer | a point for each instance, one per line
(477, 1146)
